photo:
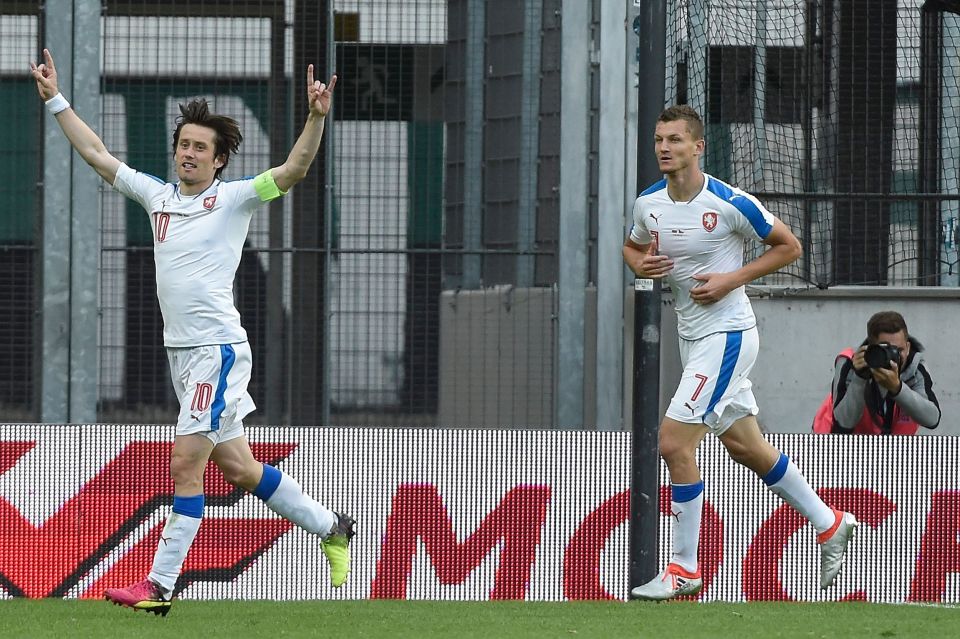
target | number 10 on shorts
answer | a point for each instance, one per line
(202, 396)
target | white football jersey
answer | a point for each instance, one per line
(197, 240)
(704, 235)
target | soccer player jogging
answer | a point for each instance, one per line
(199, 226)
(689, 229)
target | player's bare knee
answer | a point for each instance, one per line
(676, 453)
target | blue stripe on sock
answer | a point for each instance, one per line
(227, 357)
(189, 506)
(777, 472)
(731, 352)
(681, 493)
(268, 483)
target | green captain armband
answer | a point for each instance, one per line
(266, 187)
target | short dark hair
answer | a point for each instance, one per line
(886, 322)
(227, 136)
(687, 114)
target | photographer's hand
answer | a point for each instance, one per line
(889, 378)
(860, 364)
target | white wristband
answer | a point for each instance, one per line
(57, 103)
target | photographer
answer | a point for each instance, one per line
(882, 388)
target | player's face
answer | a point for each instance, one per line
(675, 147)
(195, 155)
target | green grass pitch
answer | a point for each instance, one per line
(63, 619)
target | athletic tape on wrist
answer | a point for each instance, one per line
(57, 103)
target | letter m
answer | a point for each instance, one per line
(418, 513)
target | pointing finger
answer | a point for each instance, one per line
(309, 75)
(49, 58)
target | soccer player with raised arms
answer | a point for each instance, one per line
(689, 229)
(199, 226)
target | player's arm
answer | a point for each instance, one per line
(81, 137)
(784, 249)
(319, 100)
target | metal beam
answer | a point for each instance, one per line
(645, 460)
(612, 216)
(473, 143)
(572, 275)
(85, 221)
(55, 241)
(530, 141)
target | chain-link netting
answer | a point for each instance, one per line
(841, 115)
(412, 277)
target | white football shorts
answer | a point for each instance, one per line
(714, 389)
(211, 384)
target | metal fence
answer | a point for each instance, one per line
(416, 277)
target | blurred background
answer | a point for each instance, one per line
(453, 258)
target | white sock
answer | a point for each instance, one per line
(175, 540)
(286, 498)
(786, 480)
(686, 517)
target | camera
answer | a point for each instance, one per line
(879, 355)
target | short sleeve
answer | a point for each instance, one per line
(639, 232)
(754, 221)
(242, 194)
(139, 187)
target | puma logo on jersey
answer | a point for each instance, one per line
(655, 217)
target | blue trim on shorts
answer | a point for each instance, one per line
(268, 483)
(778, 471)
(227, 357)
(681, 493)
(189, 506)
(731, 352)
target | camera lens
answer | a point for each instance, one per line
(880, 355)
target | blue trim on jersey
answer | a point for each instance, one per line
(189, 506)
(659, 186)
(268, 483)
(245, 177)
(153, 177)
(227, 357)
(731, 352)
(778, 471)
(682, 493)
(743, 204)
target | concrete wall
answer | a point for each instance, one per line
(497, 363)
(801, 333)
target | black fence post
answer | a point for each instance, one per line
(645, 460)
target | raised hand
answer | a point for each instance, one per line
(46, 76)
(319, 95)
